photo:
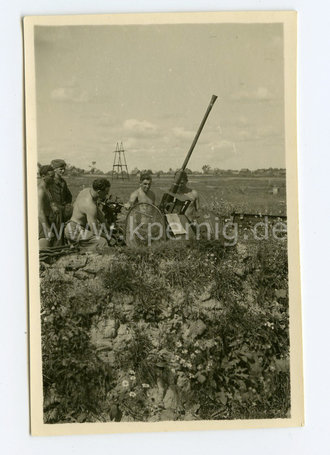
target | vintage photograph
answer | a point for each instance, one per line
(162, 222)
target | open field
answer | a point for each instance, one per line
(248, 194)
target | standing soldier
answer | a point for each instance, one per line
(61, 196)
(46, 215)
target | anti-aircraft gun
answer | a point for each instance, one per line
(146, 222)
(170, 203)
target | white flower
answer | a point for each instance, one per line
(145, 386)
(132, 394)
(125, 383)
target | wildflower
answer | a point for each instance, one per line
(178, 344)
(131, 372)
(145, 386)
(184, 351)
(189, 365)
(125, 383)
(132, 394)
(177, 357)
(132, 378)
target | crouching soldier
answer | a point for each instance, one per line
(87, 226)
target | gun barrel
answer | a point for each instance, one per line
(168, 198)
(201, 126)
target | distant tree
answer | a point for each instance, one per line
(206, 169)
(147, 171)
(92, 167)
(135, 171)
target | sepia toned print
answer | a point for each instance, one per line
(162, 218)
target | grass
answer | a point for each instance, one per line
(242, 193)
(191, 338)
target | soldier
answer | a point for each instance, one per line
(61, 197)
(185, 193)
(87, 224)
(59, 189)
(143, 193)
(46, 215)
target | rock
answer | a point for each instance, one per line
(122, 330)
(212, 304)
(207, 293)
(75, 263)
(239, 271)
(200, 377)
(197, 328)
(281, 293)
(242, 251)
(81, 275)
(167, 414)
(123, 336)
(109, 328)
(156, 394)
(171, 398)
(282, 365)
(183, 384)
(107, 357)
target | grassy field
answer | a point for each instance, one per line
(248, 194)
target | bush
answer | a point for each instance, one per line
(195, 331)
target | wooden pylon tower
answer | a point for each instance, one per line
(119, 168)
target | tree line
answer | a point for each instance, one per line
(205, 170)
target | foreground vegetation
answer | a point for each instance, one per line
(179, 331)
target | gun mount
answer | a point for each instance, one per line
(170, 202)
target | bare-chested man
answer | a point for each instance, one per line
(185, 193)
(142, 194)
(46, 215)
(85, 226)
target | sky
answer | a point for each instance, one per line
(148, 86)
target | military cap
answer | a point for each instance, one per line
(45, 169)
(58, 163)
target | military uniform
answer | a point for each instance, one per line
(61, 199)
